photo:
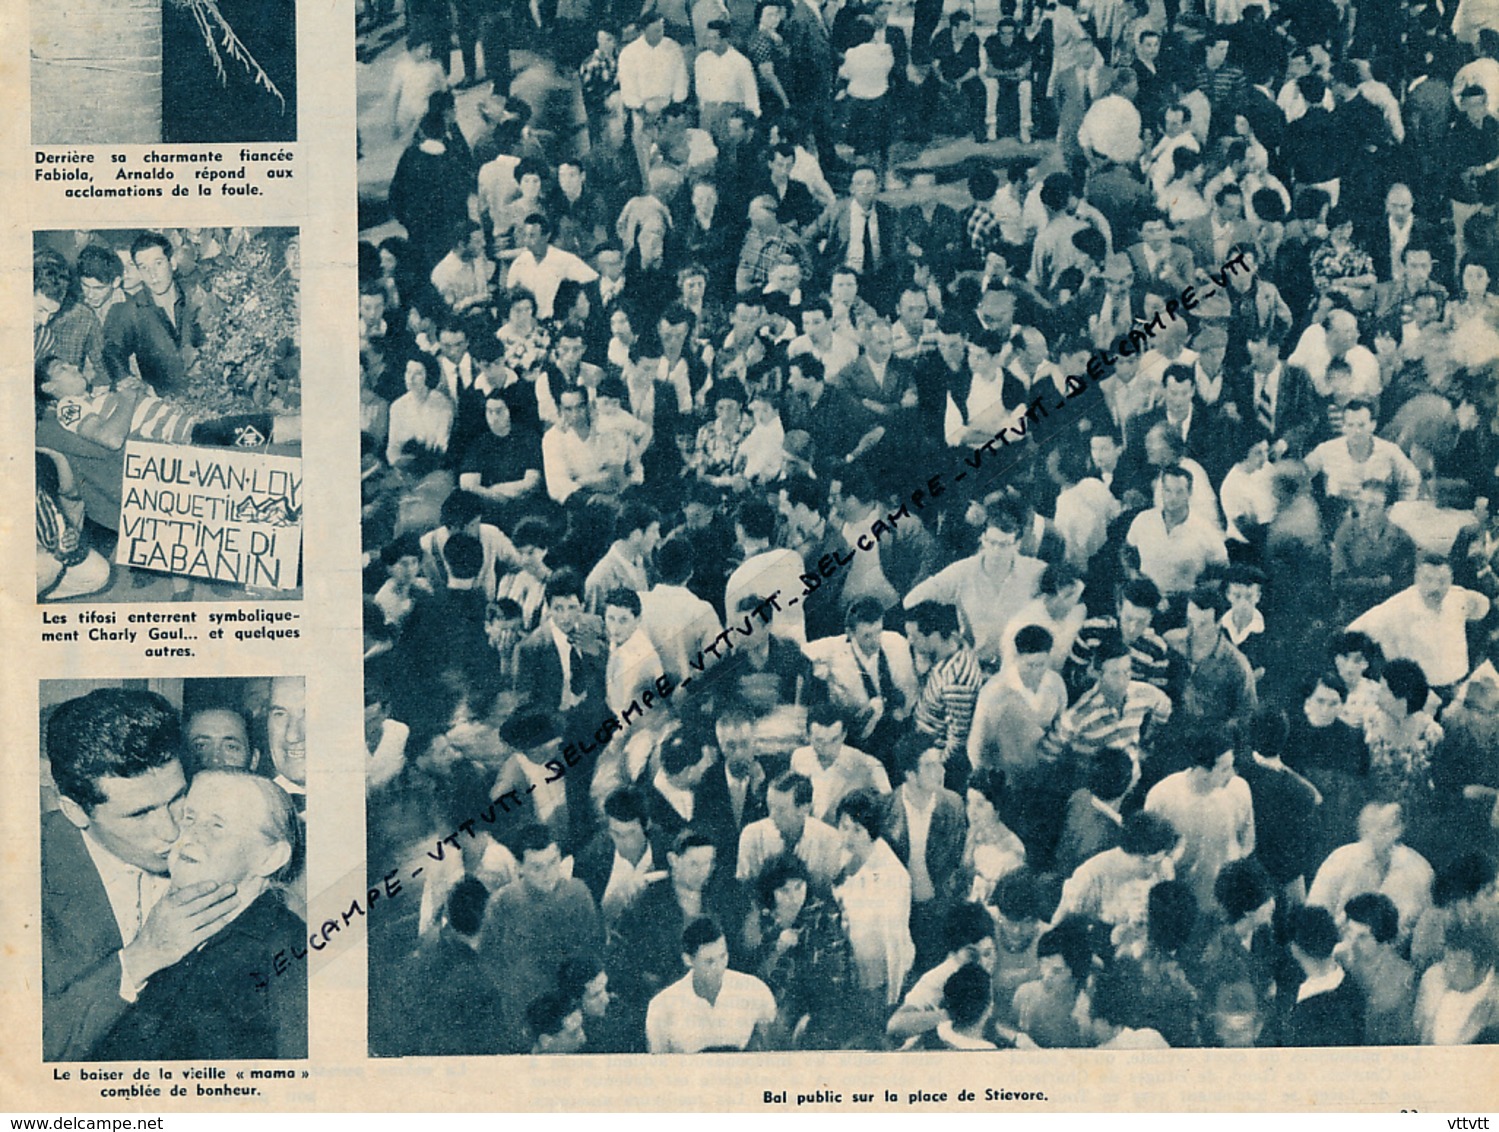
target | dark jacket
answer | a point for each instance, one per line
(538, 670)
(225, 1000)
(1334, 1018)
(80, 974)
(447, 1006)
(138, 329)
(944, 840)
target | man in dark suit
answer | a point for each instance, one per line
(449, 1000)
(1160, 262)
(559, 671)
(1212, 237)
(561, 664)
(731, 795)
(1277, 400)
(108, 922)
(1107, 307)
(810, 85)
(156, 328)
(1329, 1007)
(645, 955)
(1184, 414)
(862, 234)
(923, 800)
(932, 229)
(795, 204)
(617, 864)
(243, 993)
(1395, 230)
(446, 633)
(673, 793)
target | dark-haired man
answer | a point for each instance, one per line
(646, 953)
(875, 897)
(157, 327)
(108, 921)
(1329, 1007)
(711, 1007)
(790, 827)
(451, 1001)
(534, 924)
(949, 693)
(562, 663)
(541, 266)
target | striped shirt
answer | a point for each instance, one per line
(151, 419)
(1092, 725)
(944, 711)
(1148, 651)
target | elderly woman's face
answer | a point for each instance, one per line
(223, 833)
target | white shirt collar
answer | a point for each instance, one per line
(681, 800)
(1321, 984)
(288, 785)
(126, 886)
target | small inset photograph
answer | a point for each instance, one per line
(167, 374)
(144, 72)
(173, 869)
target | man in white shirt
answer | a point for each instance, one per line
(1427, 622)
(652, 75)
(835, 769)
(462, 277)
(540, 268)
(989, 587)
(1210, 807)
(819, 339)
(875, 897)
(1358, 456)
(1376, 862)
(711, 1007)
(633, 665)
(869, 671)
(108, 921)
(1175, 546)
(679, 623)
(790, 828)
(766, 571)
(569, 462)
(725, 82)
(624, 565)
(632, 863)
(1337, 337)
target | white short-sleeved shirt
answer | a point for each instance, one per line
(678, 1021)
(1174, 559)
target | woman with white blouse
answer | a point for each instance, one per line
(421, 419)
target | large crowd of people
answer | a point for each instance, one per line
(1178, 731)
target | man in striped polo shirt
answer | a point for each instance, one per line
(1116, 712)
(1138, 601)
(944, 709)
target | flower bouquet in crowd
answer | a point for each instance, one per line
(248, 358)
(220, 40)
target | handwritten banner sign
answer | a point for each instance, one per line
(212, 513)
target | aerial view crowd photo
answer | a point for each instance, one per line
(953, 526)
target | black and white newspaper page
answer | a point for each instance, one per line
(944, 552)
